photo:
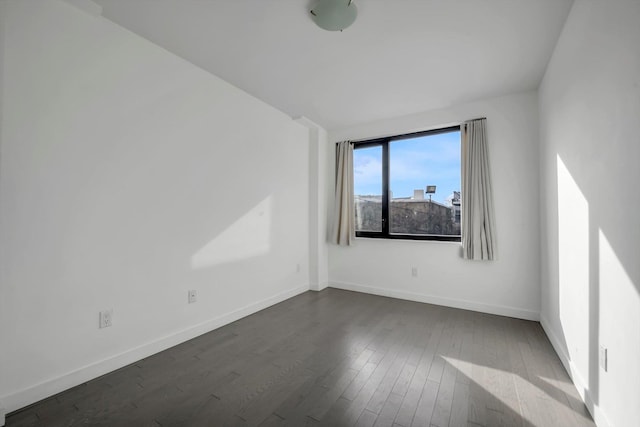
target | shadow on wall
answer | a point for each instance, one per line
(591, 276)
(248, 237)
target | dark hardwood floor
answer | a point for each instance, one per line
(336, 358)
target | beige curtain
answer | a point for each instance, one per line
(478, 226)
(343, 226)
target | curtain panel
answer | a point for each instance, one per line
(478, 225)
(343, 227)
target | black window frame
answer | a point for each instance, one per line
(384, 143)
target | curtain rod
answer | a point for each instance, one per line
(413, 133)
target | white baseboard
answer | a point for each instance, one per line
(447, 302)
(596, 412)
(35, 393)
(557, 346)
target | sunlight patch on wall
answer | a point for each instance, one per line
(619, 320)
(249, 236)
(573, 265)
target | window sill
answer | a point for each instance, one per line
(415, 238)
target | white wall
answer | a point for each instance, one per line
(129, 176)
(2, 305)
(589, 111)
(508, 286)
(318, 246)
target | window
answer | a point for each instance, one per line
(408, 186)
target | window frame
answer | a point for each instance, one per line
(384, 143)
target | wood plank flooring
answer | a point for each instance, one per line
(336, 358)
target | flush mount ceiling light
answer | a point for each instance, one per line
(333, 15)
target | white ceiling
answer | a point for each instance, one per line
(399, 57)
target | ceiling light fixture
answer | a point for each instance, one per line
(334, 15)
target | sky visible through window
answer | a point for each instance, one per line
(414, 163)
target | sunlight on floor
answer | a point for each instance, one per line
(547, 391)
(493, 376)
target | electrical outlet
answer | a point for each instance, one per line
(193, 296)
(603, 358)
(106, 318)
(414, 271)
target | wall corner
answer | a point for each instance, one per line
(318, 251)
(319, 287)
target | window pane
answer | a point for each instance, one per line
(425, 185)
(367, 188)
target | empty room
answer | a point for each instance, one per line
(320, 213)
